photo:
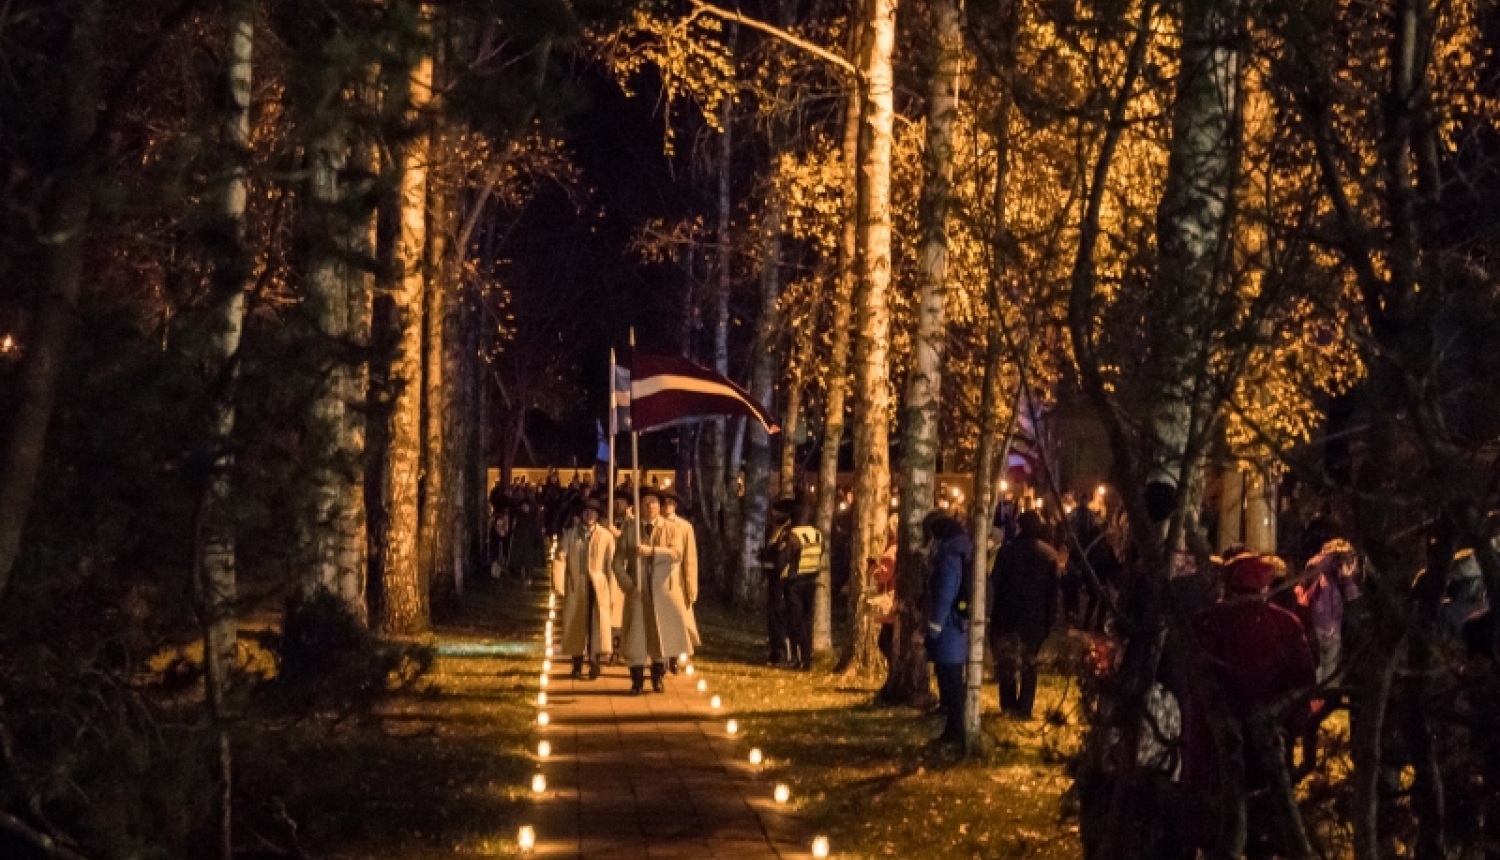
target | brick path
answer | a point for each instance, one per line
(652, 776)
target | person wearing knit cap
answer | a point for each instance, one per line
(1258, 656)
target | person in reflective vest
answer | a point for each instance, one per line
(795, 556)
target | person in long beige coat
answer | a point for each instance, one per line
(622, 513)
(584, 574)
(655, 611)
(686, 573)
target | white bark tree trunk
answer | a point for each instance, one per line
(404, 607)
(872, 474)
(838, 360)
(923, 395)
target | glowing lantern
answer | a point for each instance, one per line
(526, 839)
(682, 658)
(551, 614)
(715, 703)
(689, 669)
(782, 793)
(820, 846)
(702, 686)
(544, 749)
(733, 727)
(538, 784)
(543, 681)
(542, 719)
(541, 698)
(756, 757)
(546, 665)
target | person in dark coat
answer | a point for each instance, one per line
(1258, 655)
(951, 552)
(1023, 609)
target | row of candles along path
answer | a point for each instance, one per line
(527, 836)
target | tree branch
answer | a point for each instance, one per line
(789, 38)
(49, 847)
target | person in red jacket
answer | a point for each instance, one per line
(1258, 655)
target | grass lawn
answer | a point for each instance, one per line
(864, 774)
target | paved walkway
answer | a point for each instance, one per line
(652, 776)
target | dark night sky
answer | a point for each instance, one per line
(577, 251)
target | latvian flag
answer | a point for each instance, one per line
(668, 389)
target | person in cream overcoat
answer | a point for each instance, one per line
(655, 609)
(584, 575)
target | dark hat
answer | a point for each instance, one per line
(652, 491)
(668, 494)
(1030, 523)
(592, 504)
(624, 496)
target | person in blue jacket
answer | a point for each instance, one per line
(951, 554)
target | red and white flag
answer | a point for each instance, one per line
(669, 389)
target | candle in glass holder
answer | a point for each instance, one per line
(542, 682)
(544, 749)
(689, 669)
(546, 665)
(782, 793)
(702, 685)
(542, 719)
(715, 703)
(756, 757)
(526, 838)
(820, 846)
(733, 727)
(541, 698)
(538, 784)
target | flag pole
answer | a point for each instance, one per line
(635, 483)
(609, 498)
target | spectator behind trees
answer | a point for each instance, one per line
(951, 555)
(1023, 609)
(1256, 655)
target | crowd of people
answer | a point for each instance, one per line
(1264, 635)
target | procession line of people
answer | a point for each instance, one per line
(626, 595)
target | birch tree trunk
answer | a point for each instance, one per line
(907, 679)
(838, 361)
(1192, 226)
(332, 535)
(791, 416)
(757, 502)
(715, 497)
(404, 606)
(233, 267)
(872, 481)
(64, 224)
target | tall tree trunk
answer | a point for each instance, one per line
(907, 681)
(332, 534)
(872, 474)
(993, 451)
(715, 497)
(757, 502)
(838, 364)
(434, 532)
(404, 607)
(1192, 227)
(215, 544)
(63, 229)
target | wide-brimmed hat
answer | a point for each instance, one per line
(591, 504)
(652, 491)
(624, 496)
(1248, 573)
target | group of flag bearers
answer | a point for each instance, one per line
(634, 594)
(629, 585)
